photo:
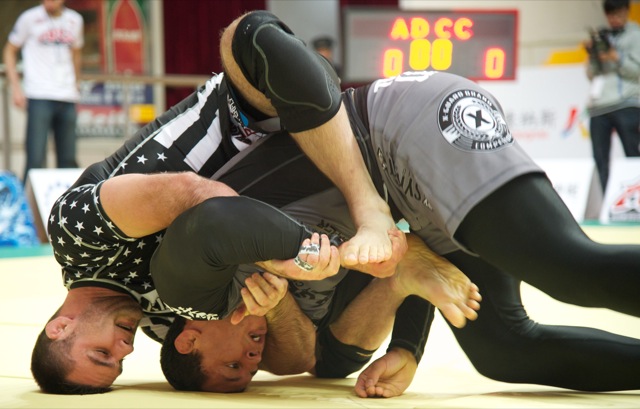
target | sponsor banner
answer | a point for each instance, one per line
(547, 120)
(116, 42)
(44, 187)
(16, 220)
(576, 182)
(101, 112)
(127, 34)
(622, 198)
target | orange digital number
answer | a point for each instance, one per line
(392, 64)
(422, 55)
(494, 62)
(441, 52)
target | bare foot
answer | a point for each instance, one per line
(425, 274)
(386, 268)
(372, 243)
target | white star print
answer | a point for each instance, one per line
(133, 274)
(79, 226)
(73, 204)
(161, 156)
(62, 221)
(146, 285)
(61, 241)
(137, 261)
(141, 244)
(98, 230)
(85, 208)
(142, 159)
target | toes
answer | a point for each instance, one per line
(474, 305)
(454, 315)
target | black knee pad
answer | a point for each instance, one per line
(337, 360)
(301, 84)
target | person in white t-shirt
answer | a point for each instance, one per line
(51, 38)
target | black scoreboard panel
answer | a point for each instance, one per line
(383, 42)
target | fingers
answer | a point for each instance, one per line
(317, 258)
(399, 243)
(263, 292)
(238, 314)
(366, 385)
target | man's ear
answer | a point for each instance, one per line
(59, 327)
(185, 342)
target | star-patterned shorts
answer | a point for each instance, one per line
(89, 245)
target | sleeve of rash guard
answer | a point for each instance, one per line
(412, 325)
(200, 251)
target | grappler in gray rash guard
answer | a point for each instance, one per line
(438, 148)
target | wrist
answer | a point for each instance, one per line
(283, 305)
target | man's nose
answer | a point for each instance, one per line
(124, 347)
(254, 355)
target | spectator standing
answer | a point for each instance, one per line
(614, 72)
(50, 37)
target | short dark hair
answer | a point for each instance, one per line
(322, 42)
(50, 366)
(182, 371)
(611, 6)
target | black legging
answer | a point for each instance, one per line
(523, 231)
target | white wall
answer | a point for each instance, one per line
(310, 19)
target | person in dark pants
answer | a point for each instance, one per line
(614, 71)
(51, 38)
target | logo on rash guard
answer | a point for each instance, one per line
(191, 314)
(241, 132)
(471, 122)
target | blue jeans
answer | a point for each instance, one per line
(43, 115)
(627, 123)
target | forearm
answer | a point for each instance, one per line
(77, 62)
(144, 204)
(340, 159)
(9, 56)
(290, 343)
(629, 64)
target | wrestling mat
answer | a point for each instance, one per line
(31, 291)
